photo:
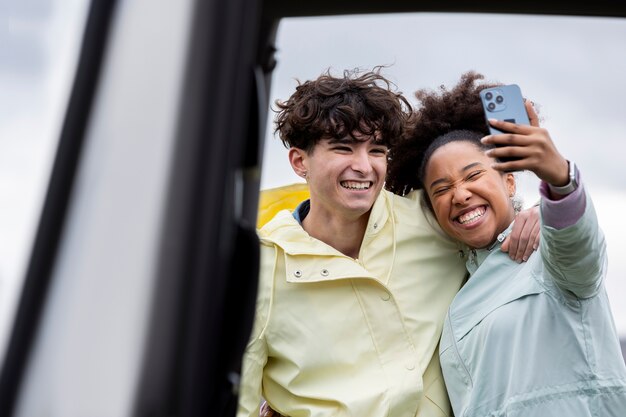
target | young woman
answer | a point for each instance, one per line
(520, 339)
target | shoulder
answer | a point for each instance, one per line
(275, 228)
(412, 209)
(411, 205)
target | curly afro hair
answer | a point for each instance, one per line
(337, 107)
(439, 113)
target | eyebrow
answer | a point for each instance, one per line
(345, 139)
(348, 140)
(465, 168)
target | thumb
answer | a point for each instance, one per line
(505, 245)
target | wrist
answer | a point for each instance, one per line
(571, 185)
(562, 176)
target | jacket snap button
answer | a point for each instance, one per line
(375, 225)
(324, 272)
(297, 273)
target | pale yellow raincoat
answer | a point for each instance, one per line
(336, 336)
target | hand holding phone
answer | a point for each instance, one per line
(531, 145)
(504, 103)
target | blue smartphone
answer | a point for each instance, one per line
(504, 103)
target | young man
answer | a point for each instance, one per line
(355, 283)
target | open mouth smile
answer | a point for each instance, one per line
(356, 185)
(471, 216)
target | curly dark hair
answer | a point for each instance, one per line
(359, 102)
(443, 116)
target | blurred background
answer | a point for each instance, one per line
(39, 45)
(572, 67)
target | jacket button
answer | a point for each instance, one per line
(385, 296)
(297, 273)
(410, 366)
(324, 272)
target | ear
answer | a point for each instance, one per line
(299, 161)
(509, 180)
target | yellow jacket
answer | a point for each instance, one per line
(336, 336)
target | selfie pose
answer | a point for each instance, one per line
(519, 339)
(355, 282)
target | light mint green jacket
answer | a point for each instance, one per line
(536, 339)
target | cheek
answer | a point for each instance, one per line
(380, 165)
(504, 193)
(440, 208)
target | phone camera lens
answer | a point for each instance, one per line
(488, 96)
(491, 106)
(499, 99)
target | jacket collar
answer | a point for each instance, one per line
(477, 256)
(310, 260)
(284, 231)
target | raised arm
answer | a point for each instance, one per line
(572, 244)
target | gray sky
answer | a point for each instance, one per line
(572, 67)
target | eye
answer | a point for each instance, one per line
(474, 175)
(379, 151)
(440, 190)
(342, 149)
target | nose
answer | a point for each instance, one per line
(361, 162)
(460, 194)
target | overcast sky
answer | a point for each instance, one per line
(572, 67)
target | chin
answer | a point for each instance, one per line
(476, 243)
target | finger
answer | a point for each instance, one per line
(265, 410)
(509, 160)
(533, 238)
(532, 114)
(504, 139)
(509, 166)
(514, 239)
(508, 151)
(522, 233)
(511, 139)
(505, 245)
(525, 246)
(536, 235)
(510, 127)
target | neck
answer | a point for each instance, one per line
(343, 234)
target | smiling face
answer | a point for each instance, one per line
(345, 176)
(471, 200)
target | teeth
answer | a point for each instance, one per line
(355, 185)
(472, 215)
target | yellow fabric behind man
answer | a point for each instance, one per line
(276, 199)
